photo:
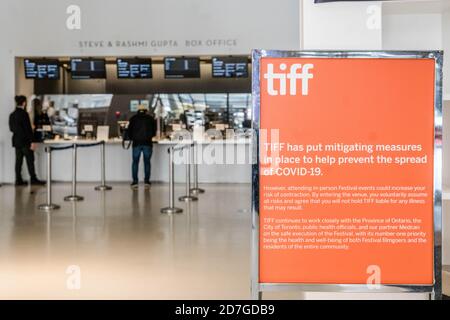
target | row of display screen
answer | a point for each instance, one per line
(137, 68)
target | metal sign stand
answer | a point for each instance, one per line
(435, 290)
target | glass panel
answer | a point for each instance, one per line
(64, 110)
(240, 106)
(206, 109)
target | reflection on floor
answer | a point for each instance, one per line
(124, 248)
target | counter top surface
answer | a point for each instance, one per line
(161, 142)
(223, 141)
(80, 141)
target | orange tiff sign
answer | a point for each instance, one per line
(346, 170)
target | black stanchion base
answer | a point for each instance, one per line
(171, 210)
(48, 207)
(103, 188)
(197, 191)
(73, 198)
(188, 198)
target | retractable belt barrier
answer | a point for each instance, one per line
(90, 144)
(194, 159)
(188, 197)
(103, 186)
(171, 208)
(191, 160)
(60, 148)
(48, 206)
(73, 196)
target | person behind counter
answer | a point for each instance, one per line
(23, 141)
(40, 119)
(141, 130)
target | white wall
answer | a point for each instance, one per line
(412, 31)
(446, 47)
(38, 28)
(342, 26)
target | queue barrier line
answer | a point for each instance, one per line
(188, 197)
(171, 208)
(73, 196)
(196, 190)
(190, 161)
(103, 186)
(60, 148)
(86, 145)
(48, 206)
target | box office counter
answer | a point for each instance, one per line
(220, 161)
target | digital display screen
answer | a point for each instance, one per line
(88, 68)
(230, 67)
(134, 105)
(179, 68)
(41, 69)
(134, 68)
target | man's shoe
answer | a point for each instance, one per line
(21, 183)
(134, 185)
(37, 182)
(147, 184)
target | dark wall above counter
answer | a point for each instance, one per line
(158, 84)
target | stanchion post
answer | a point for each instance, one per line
(103, 185)
(74, 196)
(188, 197)
(49, 205)
(194, 157)
(171, 208)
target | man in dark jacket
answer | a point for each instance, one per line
(141, 130)
(22, 141)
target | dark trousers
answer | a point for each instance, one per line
(147, 151)
(29, 157)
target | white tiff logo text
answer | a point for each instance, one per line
(293, 75)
